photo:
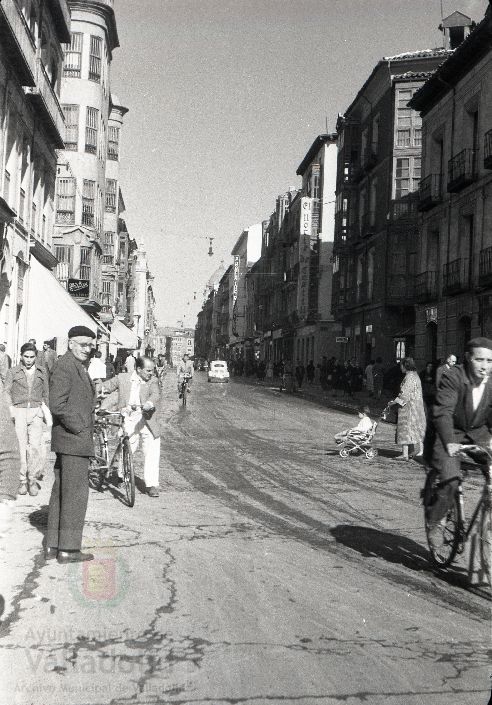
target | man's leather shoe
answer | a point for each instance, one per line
(74, 557)
(22, 488)
(153, 491)
(33, 489)
(50, 553)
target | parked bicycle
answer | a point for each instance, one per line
(184, 388)
(454, 529)
(122, 461)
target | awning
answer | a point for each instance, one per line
(51, 311)
(407, 333)
(123, 336)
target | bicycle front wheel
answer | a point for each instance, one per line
(128, 472)
(446, 538)
(485, 539)
(184, 392)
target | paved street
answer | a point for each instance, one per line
(269, 571)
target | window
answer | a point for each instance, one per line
(73, 56)
(407, 176)
(95, 59)
(65, 205)
(375, 134)
(34, 209)
(85, 263)
(106, 293)
(113, 142)
(108, 248)
(71, 113)
(22, 205)
(91, 125)
(408, 121)
(365, 134)
(110, 196)
(64, 255)
(88, 202)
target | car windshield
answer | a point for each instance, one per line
(218, 364)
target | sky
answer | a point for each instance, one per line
(225, 97)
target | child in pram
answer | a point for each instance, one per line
(362, 429)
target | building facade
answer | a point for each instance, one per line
(31, 130)
(82, 165)
(454, 258)
(376, 218)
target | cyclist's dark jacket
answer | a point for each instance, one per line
(455, 420)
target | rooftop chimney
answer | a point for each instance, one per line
(455, 29)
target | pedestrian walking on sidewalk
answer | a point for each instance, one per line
(378, 377)
(137, 394)
(310, 372)
(72, 403)
(26, 387)
(300, 371)
(47, 357)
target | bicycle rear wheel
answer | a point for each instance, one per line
(485, 538)
(128, 472)
(446, 539)
(184, 392)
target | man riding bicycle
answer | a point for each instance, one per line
(184, 370)
(462, 415)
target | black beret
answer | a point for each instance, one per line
(81, 330)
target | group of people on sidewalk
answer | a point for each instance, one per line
(63, 394)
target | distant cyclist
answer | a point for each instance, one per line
(184, 369)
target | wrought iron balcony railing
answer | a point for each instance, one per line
(462, 170)
(426, 286)
(456, 276)
(17, 41)
(404, 208)
(430, 192)
(368, 224)
(485, 267)
(400, 290)
(48, 106)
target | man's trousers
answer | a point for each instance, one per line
(68, 503)
(151, 449)
(29, 430)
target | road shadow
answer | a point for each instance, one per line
(39, 518)
(397, 549)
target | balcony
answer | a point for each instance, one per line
(16, 39)
(487, 150)
(426, 286)
(368, 224)
(400, 291)
(61, 18)
(485, 267)
(48, 105)
(456, 276)
(462, 170)
(370, 159)
(403, 209)
(430, 192)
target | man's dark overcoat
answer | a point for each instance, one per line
(72, 402)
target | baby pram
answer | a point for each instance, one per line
(359, 441)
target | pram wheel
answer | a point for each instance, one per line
(371, 453)
(344, 453)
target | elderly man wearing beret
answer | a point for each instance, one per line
(72, 403)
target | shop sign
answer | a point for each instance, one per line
(369, 329)
(234, 294)
(306, 216)
(78, 288)
(431, 314)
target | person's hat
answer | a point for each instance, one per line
(82, 331)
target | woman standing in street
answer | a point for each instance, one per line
(410, 429)
(428, 379)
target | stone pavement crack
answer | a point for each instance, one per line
(26, 592)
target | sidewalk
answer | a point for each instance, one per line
(333, 399)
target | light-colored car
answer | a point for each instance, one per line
(218, 371)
